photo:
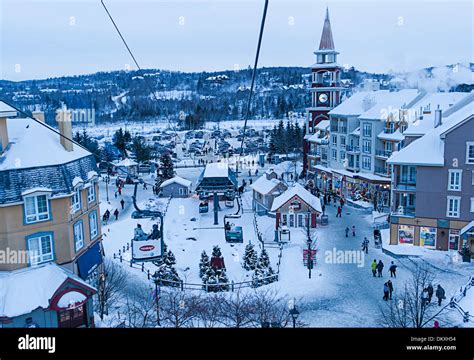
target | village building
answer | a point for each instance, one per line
(432, 202)
(296, 207)
(265, 189)
(175, 187)
(49, 204)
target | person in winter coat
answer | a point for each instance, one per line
(341, 202)
(339, 212)
(116, 213)
(122, 203)
(155, 233)
(390, 288)
(380, 268)
(353, 230)
(424, 297)
(386, 291)
(323, 208)
(139, 234)
(430, 292)
(365, 245)
(393, 270)
(436, 324)
(373, 266)
(440, 294)
(347, 231)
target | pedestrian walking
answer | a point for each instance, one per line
(380, 268)
(119, 190)
(104, 219)
(440, 294)
(353, 230)
(424, 297)
(386, 291)
(393, 270)
(122, 203)
(341, 202)
(116, 194)
(365, 245)
(339, 212)
(116, 213)
(373, 266)
(334, 200)
(390, 288)
(347, 230)
(323, 208)
(430, 292)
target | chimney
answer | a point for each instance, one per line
(64, 119)
(438, 119)
(3, 134)
(38, 115)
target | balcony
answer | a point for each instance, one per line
(352, 148)
(382, 171)
(353, 167)
(384, 154)
(405, 187)
(404, 211)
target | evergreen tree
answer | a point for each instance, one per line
(166, 167)
(272, 146)
(263, 273)
(204, 264)
(170, 259)
(216, 251)
(90, 144)
(140, 149)
(120, 142)
(250, 258)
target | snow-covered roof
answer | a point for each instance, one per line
(7, 110)
(71, 298)
(77, 181)
(265, 186)
(176, 180)
(359, 102)
(356, 132)
(213, 170)
(299, 191)
(467, 227)
(28, 289)
(92, 174)
(390, 103)
(126, 162)
(429, 149)
(395, 136)
(448, 102)
(36, 190)
(322, 125)
(34, 145)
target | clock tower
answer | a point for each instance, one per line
(325, 81)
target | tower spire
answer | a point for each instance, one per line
(327, 42)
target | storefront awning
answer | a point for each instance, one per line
(89, 261)
(468, 229)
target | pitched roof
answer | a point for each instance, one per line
(299, 191)
(327, 42)
(429, 149)
(265, 186)
(176, 180)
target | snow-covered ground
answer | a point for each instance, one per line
(341, 292)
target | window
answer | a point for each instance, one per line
(334, 140)
(367, 146)
(389, 146)
(406, 234)
(367, 130)
(366, 163)
(91, 193)
(453, 206)
(342, 154)
(334, 154)
(470, 152)
(292, 220)
(36, 208)
(454, 180)
(76, 201)
(300, 220)
(40, 248)
(182, 191)
(78, 235)
(93, 224)
(284, 220)
(427, 236)
(407, 174)
(454, 239)
(342, 141)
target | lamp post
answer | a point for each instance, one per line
(156, 280)
(294, 315)
(308, 234)
(107, 179)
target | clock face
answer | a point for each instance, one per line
(323, 98)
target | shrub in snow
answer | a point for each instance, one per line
(250, 258)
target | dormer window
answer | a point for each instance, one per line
(36, 206)
(91, 193)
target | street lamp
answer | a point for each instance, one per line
(294, 315)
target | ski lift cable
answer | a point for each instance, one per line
(252, 84)
(145, 78)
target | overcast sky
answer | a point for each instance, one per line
(40, 39)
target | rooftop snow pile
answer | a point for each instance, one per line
(25, 290)
(302, 193)
(34, 145)
(265, 186)
(216, 170)
(176, 180)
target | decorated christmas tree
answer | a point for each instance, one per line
(204, 264)
(250, 258)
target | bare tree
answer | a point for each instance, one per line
(269, 307)
(408, 308)
(234, 309)
(179, 308)
(112, 283)
(208, 311)
(139, 308)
